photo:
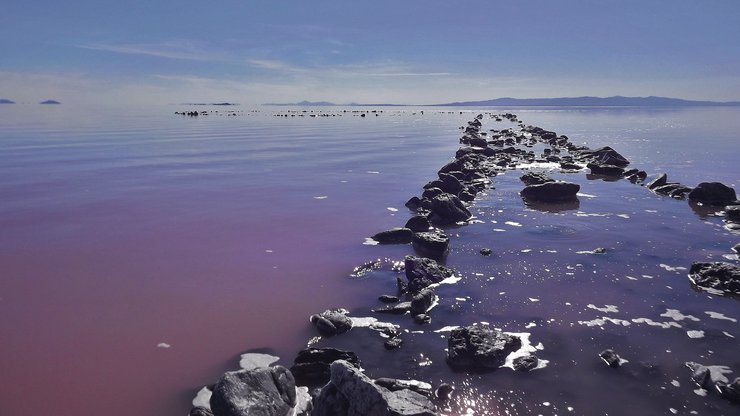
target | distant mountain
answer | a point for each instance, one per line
(6, 101)
(50, 102)
(616, 101)
(330, 104)
(225, 103)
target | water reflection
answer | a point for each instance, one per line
(553, 207)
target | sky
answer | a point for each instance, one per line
(373, 51)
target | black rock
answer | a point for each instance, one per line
(418, 223)
(422, 301)
(713, 193)
(700, 374)
(200, 411)
(394, 236)
(393, 343)
(606, 170)
(450, 184)
(674, 190)
(388, 299)
(397, 309)
(431, 244)
(526, 363)
(262, 391)
(479, 348)
(422, 272)
(332, 321)
(478, 142)
(611, 358)
(422, 318)
(431, 192)
(444, 391)
(732, 213)
(448, 209)
(532, 178)
(570, 166)
(551, 191)
(730, 391)
(311, 366)
(736, 248)
(486, 251)
(413, 203)
(718, 276)
(394, 384)
(659, 181)
(402, 286)
(608, 156)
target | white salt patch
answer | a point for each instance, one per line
(526, 349)
(526, 250)
(250, 361)
(448, 281)
(534, 300)
(647, 276)
(605, 309)
(370, 242)
(447, 329)
(203, 398)
(728, 334)
(391, 209)
(499, 230)
(461, 299)
(320, 197)
(672, 268)
(584, 214)
(373, 172)
(652, 211)
(585, 195)
(546, 403)
(623, 216)
(631, 278)
(303, 401)
(603, 320)
(700, 392)
(674, 411)
(664, 325)
(717, 315)
(676, 383)
(678, 316)
(513, 224)
(530, 325)
(163, 345)
(695, 334)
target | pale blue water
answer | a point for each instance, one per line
(125, 230)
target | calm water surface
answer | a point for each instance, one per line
(142, 252)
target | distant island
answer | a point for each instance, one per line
(50, 102)
(209, 103)
(616, 101)
(6, 101)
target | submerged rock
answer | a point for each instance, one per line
(611, 358)
(486, 251)
(393, 343)
(397, 309)
(351, 393)
(332, 321)
(526, 363)
(394, 236)
(311, 366)
(262, 391)
(551, 191)
(431, 244)
(717, 276)
(479, 348)
(388, 298)
(713, 193)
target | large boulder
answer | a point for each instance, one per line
(332, 321)
(658, 181)
(716, 276)
(431, 244)
(351, 393)
(551, 191)
(713, 193)
(422, 272)
(608, 156)
(479, 348)
(418, 223)
(422, 301)
(262, 392)
(394, 236)
(311, 366)
(448, 209)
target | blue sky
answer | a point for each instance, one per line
(370, 51)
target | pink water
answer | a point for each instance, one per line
(121, 232)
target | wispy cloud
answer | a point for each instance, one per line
(372, 69)
(169, 50)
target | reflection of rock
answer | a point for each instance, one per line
(704, 210)
(713, 193)
(479, 348)
(551, 191)
(718, 276)
(262, 391)
(554, 207)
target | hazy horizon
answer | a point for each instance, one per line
(90, 52)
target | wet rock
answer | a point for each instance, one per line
(486, 251)
(413, 203)
(532, 178)
(700, 374)
(351, 393)
(200, 411)
(606, 170)
(569, 166)
(402, 286)
(394, 236)
(431, 244)
(422, 318)
(674, 190)
(397, 309)
(551, 191)
(611, 358)
(332, 321)
(479, 348)
(713, 193)
(418, 223)
(478, 142)
(422, 272)
(444, 392)
(608, 156)
(393, 343)
(659, 180)
(450, 183)
(732, 213)
(526, 363)
(736, 248)
(729, 391)
(263, 391)
(448, 209)
(388, 299)
(311, 366)
(717, 276)
(394, 384)
(431, 192)
(422, 301)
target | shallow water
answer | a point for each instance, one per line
(142, 252)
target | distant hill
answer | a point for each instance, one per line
(616, 101)
(50, 102)
(330, 104)
(226, 104)
(6, 101)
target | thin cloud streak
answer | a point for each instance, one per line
(168, 50)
